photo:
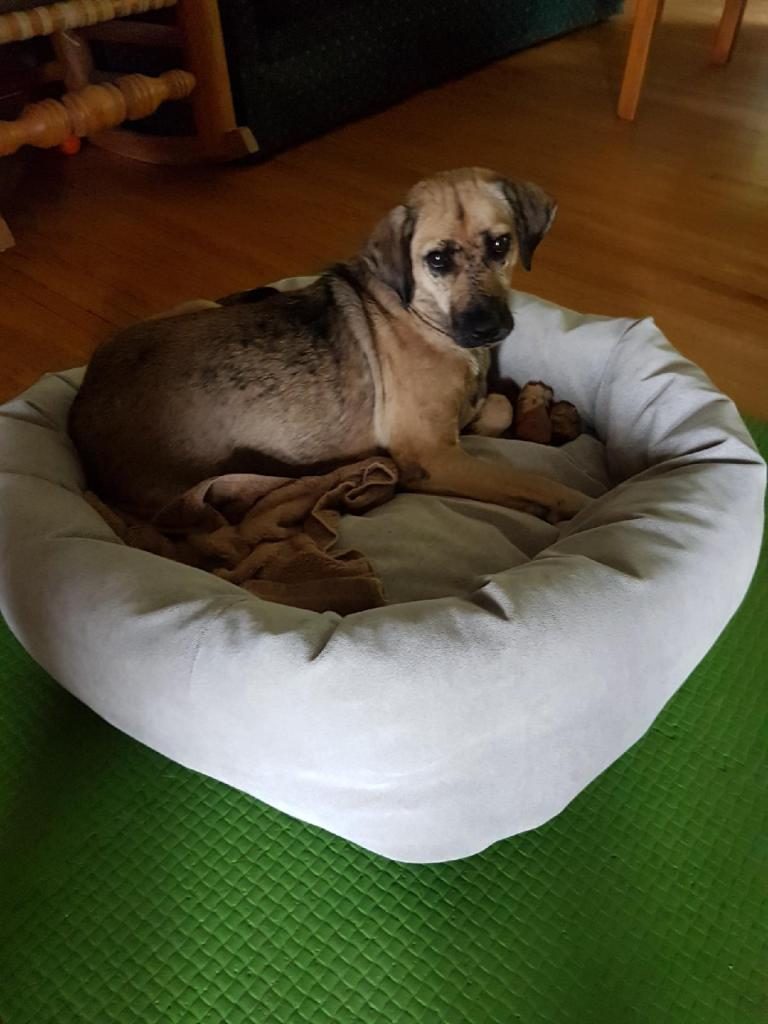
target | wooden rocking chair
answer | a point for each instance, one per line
(95, 109)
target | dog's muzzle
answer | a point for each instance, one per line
(485, 323)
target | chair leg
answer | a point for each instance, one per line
(212, 103)
(74, 54)
(6, 238)
(728, 30)
(647, 13)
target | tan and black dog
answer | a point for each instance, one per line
(387, 352)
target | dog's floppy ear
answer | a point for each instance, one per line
(387, 254)
(534, 212)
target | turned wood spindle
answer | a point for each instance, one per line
(46, 19)
(92, 109)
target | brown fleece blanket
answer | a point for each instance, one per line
(271, 535)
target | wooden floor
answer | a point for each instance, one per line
(667, 217)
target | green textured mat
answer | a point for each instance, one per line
(132, 890)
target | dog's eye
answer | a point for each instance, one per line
(439, 260)
(498, 248)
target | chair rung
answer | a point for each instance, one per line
(135, 33)
(50, 18)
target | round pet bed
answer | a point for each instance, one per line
(516, 661)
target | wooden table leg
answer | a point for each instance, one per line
(647, 13)
(728, 30)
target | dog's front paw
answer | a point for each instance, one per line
(567, 505)
(494, 418)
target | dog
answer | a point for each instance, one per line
(388, 352)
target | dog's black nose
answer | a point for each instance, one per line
(484, 324)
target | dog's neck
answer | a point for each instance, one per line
(379, 299)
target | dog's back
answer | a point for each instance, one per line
(241, 387)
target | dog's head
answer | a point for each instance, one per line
(448, 252)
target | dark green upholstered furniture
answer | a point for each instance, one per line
(300, 68)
